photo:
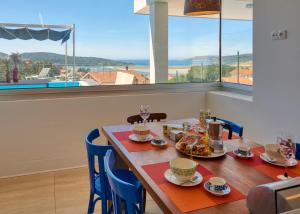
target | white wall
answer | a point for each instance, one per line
(47, 134)
(276, 96)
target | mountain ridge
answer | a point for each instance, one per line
(96, 61)
(229, 59)
(60, 59)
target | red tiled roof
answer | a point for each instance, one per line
(242, 71)
(109, 77)
(242, 80)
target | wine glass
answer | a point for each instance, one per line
(144, 113)
(287, 151)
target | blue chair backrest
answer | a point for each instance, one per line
(236, 128)
(121, 190)
(97, 153)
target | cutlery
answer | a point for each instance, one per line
(272, 160)
(192, 180)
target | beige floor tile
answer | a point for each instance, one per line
(152, 208)
(32, 194)
(72, 191)
(62, 192)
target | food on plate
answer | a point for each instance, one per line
(194, 146)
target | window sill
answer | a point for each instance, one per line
(234, 95)
(48, 93)
(237, 87)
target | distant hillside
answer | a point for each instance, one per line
(3, 55)
(230, 60)
(60, 59)
(94, 61)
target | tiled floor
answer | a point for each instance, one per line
(60, 192)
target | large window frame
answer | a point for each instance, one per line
(142, 87)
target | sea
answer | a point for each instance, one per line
(146, 63)
(174, 62)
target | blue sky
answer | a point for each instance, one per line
(109, 29)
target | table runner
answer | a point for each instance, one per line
(189, 198)
(134, 146)
(267, 169)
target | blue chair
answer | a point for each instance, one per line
(98, 181)
(297, 151)
(124, 188)
(236, 128)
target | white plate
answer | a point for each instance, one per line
(251, 155)
(292, 162)
(135, 138)
(213, 155)
(159, 145)
(217, 193)
(172, 179)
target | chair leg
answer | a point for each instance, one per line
(110, 207)
(91, 203)
(104, 206)
(144, 200)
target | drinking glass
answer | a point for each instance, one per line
(144, 113)
(202, 119)
(208, 114)
(287, 151)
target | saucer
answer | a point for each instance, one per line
(135, 138)
(226, 191)
(162, 143)
(265, 158)
(172, 179)
(250, 155)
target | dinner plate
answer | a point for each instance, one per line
(292, 162)
(212, 155)
(226, 191)
(172, 179)
(135, 138)
(251, 155)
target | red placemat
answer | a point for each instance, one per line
(267, 169)
(134, 146)
(189, 198)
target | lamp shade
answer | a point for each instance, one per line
(202, 7)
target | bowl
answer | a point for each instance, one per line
(141, 131)
(273, 151)
(183, 169)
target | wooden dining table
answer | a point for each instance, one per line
(243, 177)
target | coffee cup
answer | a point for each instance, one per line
(141, 132)
(217, 184)
(244, 149)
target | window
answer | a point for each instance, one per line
(193, 50)
(237, 50)
(111, 47)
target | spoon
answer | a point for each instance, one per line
(192, 180)
(272, 160)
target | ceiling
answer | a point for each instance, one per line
(232, 9)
